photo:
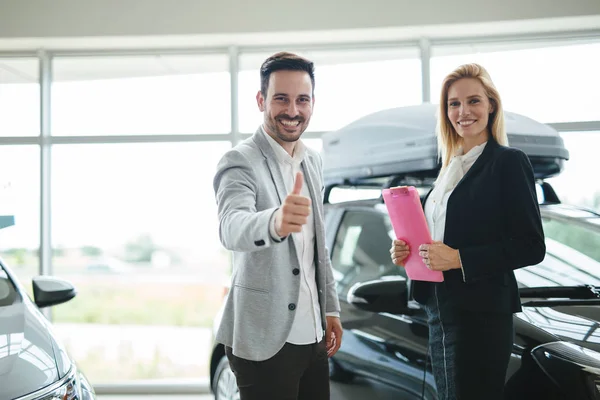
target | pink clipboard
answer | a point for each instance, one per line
(409, 223)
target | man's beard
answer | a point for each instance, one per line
(280, 132)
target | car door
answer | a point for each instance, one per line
(389, 349)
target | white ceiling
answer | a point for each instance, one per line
(88, 67)
(143, 18)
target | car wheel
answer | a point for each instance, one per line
(225, 386)
(337, 373)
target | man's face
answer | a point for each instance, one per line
(288, 105)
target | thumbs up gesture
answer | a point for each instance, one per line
(294, 211)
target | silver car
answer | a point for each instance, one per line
(33, 363)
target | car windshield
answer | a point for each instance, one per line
(572, 256)
(8, 293)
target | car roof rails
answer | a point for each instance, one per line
(417, 179)
(550, 196)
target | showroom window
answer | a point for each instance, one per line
(135, 229)
(141, 95)
(348, 85)
(19, 97)
(20, 196)
(549, 82)
(578, 183)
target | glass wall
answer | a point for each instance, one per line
(579, 183)
(135, 229)
(549, 82)
(142, 95)
(20, 165)
(19, 97)
(348, 85)
(20, 196)
(135, 224)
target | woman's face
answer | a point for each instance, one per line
(469, 109)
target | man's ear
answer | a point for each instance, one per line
(260, 100)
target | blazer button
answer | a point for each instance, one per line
(295, 271)
(292, 306)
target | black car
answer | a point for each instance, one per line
(384, 352)
(556, 353)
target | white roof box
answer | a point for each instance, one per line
(402, 141)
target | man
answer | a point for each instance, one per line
(281, 318)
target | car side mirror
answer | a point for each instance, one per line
(49, 291)
(388, 294)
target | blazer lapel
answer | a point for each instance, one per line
(315, 193)
(310, 179)
(271, 160)
(480, 162)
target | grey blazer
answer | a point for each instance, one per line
(259, 309)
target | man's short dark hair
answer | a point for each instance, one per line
(284, 61)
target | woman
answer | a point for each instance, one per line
(484, 218)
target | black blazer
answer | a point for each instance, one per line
(493, 219)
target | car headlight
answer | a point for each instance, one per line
(87, 391)
(73, 386)
(574, 369)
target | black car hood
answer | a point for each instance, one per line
(576, 324)
(27, 360)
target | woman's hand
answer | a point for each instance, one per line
(439, 257)
(399, 252)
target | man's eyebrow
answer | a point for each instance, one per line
(287, 95)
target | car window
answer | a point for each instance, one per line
(572, 257)
(8, 293)
(579, 237)
(361, 249)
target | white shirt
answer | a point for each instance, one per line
(306, 328)
(437, 202)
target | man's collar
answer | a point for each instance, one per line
(281, 153)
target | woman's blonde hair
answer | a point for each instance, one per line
(448, 138)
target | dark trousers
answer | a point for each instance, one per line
(296, 372)
(470, 351)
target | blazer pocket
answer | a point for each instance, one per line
(252, 289)
(499, 280)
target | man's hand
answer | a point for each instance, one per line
(333, 335)
(294, 211)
